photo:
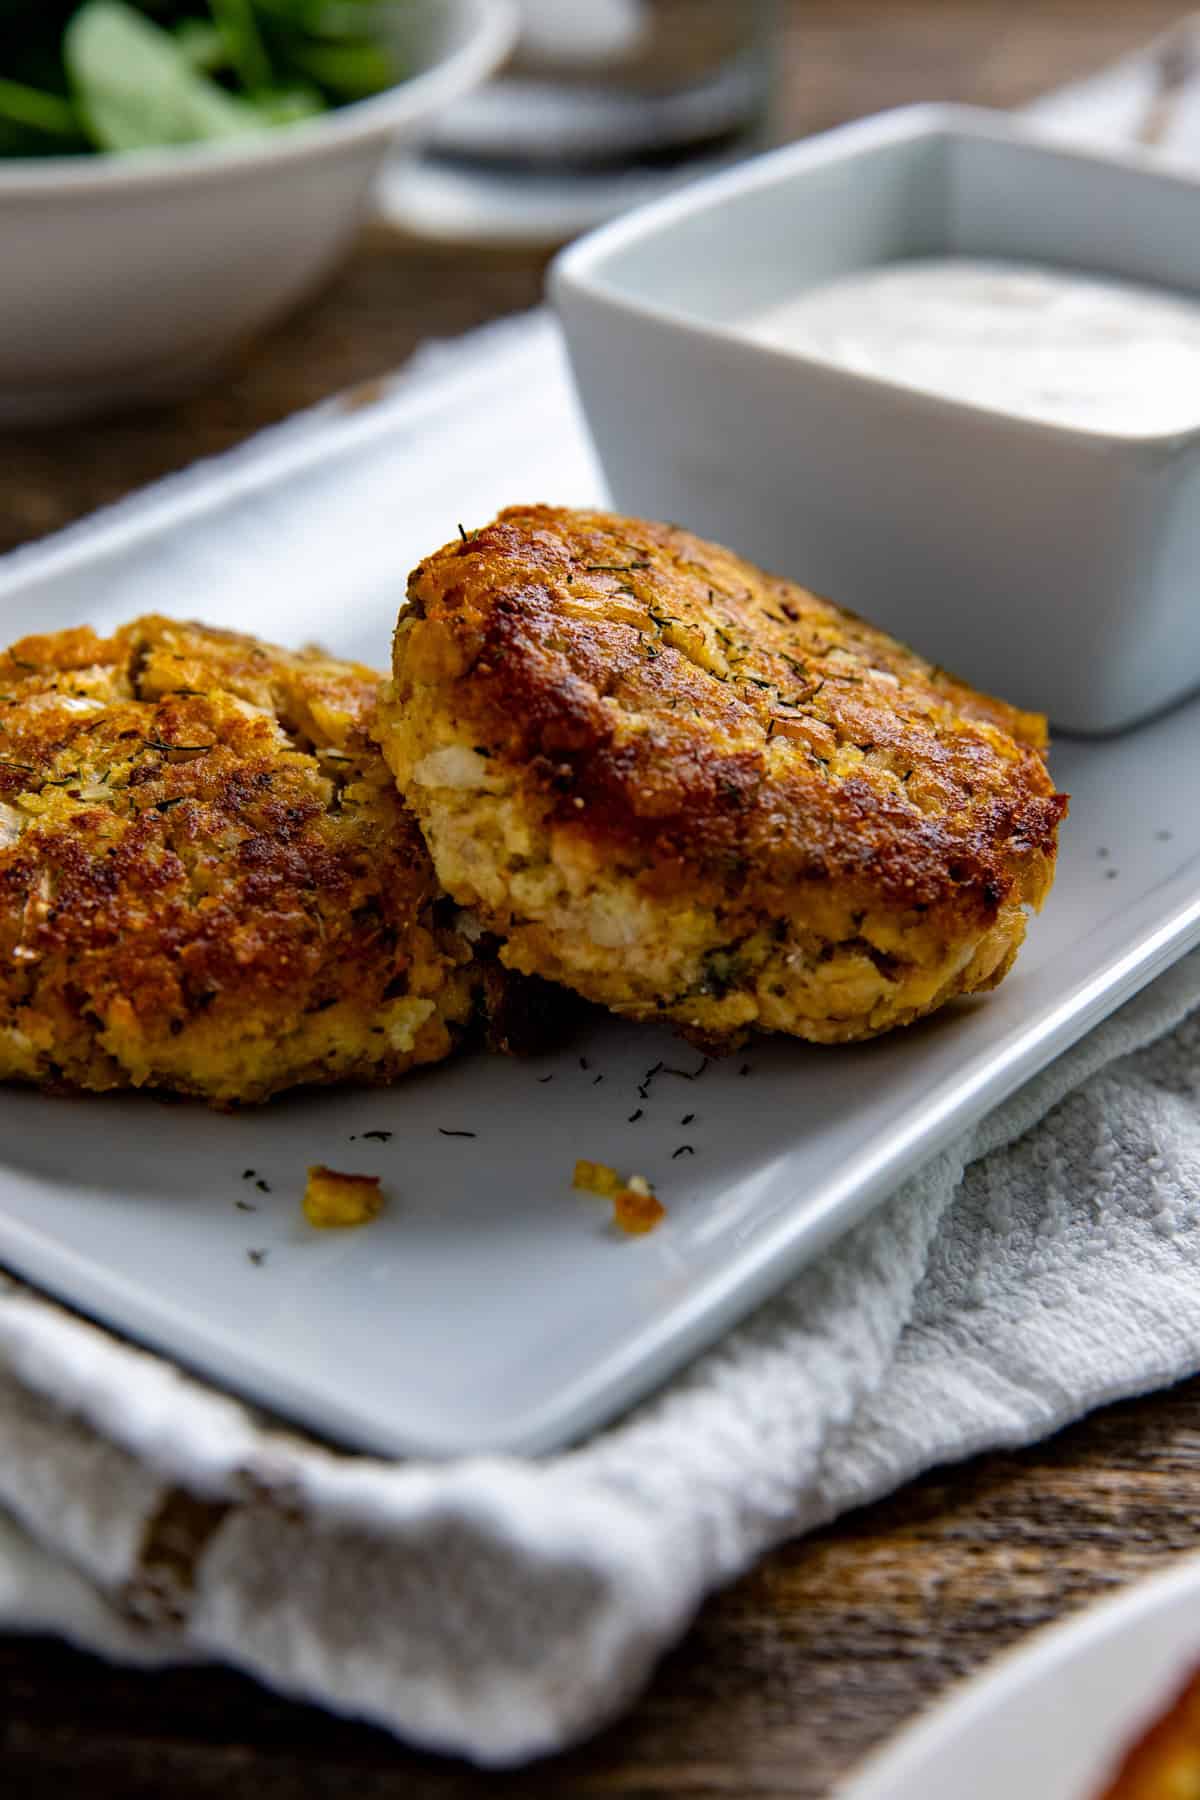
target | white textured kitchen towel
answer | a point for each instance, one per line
(1046, 1264)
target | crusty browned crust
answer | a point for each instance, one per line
(1165, 1763)
(708, 738)
(208, 881)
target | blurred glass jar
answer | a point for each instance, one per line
(604, 103)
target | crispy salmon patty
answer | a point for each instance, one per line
(693, 791)
(208, 881)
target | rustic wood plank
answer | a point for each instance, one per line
(832, 1642)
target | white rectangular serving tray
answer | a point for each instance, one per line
(491, 1307)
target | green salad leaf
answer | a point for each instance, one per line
(349, 70)
(203, 45)
(38, 111)
(288, 105)
(135, 87)
(34, 122)
(122, 75)
(248, 54)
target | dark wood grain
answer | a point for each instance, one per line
(788, 1678)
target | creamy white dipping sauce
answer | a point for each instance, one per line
(1035, 343)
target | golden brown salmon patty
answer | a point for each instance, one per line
(208, 881)
(691, 790)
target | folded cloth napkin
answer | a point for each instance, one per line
(1045, 1264)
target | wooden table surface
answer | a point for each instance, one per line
(790, 1676)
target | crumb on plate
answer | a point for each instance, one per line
(597, 1178)
(333, 1201)
(636, 1207)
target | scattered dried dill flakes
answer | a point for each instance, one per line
(333, 1201)
(637, 1208)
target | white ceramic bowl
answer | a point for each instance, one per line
(129, 277)
(1053, 1717)
(1056, 566)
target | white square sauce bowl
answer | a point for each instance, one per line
(1055, 564)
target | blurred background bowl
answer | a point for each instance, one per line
(130, 277)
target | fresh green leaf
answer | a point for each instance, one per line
(130, 74)
(134, 86)
(35, 110)
(349, 71)
(202, 45)
(338, 19)
(247, 53)
(288, 106)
